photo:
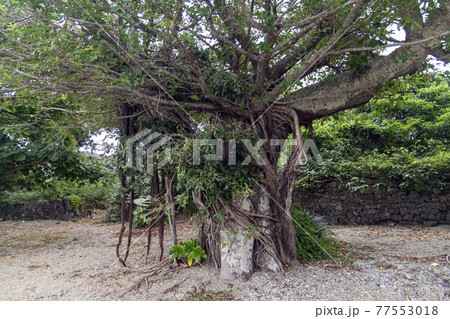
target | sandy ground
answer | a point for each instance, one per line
(51, 260)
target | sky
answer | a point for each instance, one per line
(400, 35)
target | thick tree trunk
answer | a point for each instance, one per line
(258, 232)
(248, 240)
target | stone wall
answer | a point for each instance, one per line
(34, 210)
(339, 206)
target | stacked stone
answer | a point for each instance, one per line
(377, 204)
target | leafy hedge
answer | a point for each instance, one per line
(90, 195)
(401, 137)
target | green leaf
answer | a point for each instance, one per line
(20, 157)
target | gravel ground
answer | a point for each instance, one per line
(50, 260)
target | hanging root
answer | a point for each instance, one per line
(161, 235)
(123, 181)
(245, 220)
(130, 220)
(209, 233)
(149, 240)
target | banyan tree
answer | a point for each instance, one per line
(246, 73)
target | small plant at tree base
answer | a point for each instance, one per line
(312, 240)
(74, 202)
(188, 252)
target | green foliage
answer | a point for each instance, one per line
(74, 202)
(214, 179)
(18, 197)
(35, 160)
(312, 236)
(94, 195)
(91, 195)
(401, 137)
(188, 252)
(112, 203)
(141, 217)
(141, 214)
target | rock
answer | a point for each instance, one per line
(37, 210)
(407, 276)
(430, 223)
(378, 194)
(338, 205)
(408, 218)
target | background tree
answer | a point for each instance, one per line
(400, 137)
(269, 66)
(40, 144)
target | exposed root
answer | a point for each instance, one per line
(153, 274)
(175, 286)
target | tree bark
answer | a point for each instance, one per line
(250, 239)
(259, 232)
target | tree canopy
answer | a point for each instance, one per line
(238, 58)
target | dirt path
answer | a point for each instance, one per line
(49, 260)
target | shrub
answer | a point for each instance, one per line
(21, 196)
(74, 202)
(312, 236)
(188, 252)
(113, 203)
(401, 138)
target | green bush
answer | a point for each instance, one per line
(401, 138)
(188, 252)
(113, 203)
(74, 202)
(312, 236)
(92, 195)
(18, 197)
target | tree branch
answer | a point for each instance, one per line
(352, 88)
